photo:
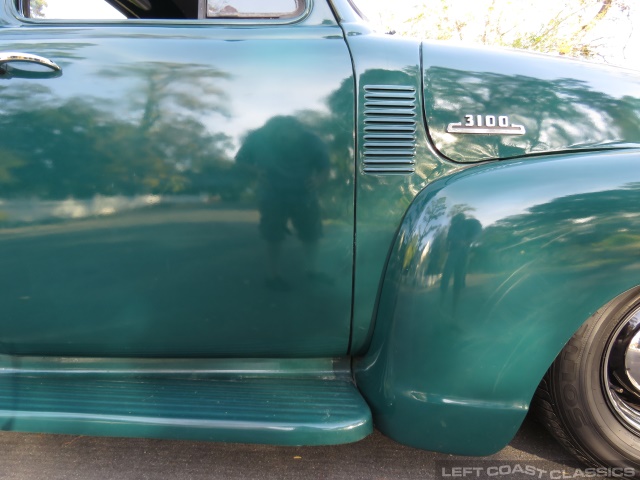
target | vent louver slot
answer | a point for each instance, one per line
(389, 139)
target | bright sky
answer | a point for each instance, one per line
(619, 33)
(620, 39)
(80, 10)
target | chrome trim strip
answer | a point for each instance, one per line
(512, 130)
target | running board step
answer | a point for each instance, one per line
(302, 402)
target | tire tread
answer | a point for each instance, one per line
(545, 409)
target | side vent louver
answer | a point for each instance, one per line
(390, 129)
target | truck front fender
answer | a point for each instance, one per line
(493, 270)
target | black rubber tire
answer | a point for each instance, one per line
(572, 403)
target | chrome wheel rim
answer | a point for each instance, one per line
(621, 371)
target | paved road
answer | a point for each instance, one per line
(52, 457)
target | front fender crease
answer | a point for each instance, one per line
(493, 270)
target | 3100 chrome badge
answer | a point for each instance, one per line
(486, 124)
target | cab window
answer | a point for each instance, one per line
(93, 10)
(254, 8)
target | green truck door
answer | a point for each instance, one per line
(182, 189)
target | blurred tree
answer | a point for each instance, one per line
(564, 27)
(37, 8)
(84, 148)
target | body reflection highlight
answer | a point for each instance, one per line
(462, 232)
(290, 164)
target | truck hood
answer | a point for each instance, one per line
(483, 104)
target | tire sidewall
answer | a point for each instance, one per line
(578, 382)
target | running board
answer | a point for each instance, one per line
(281, 402)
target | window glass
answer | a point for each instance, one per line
(159, 9)
(254, 8)
(73, 10)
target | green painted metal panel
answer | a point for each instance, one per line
(392, 65)
(182, 189)
(151, 196)
(561, 104)
(493, 270)
(312, 402)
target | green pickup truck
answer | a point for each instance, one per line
(258, 221)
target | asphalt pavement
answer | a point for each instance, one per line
(53, 457)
